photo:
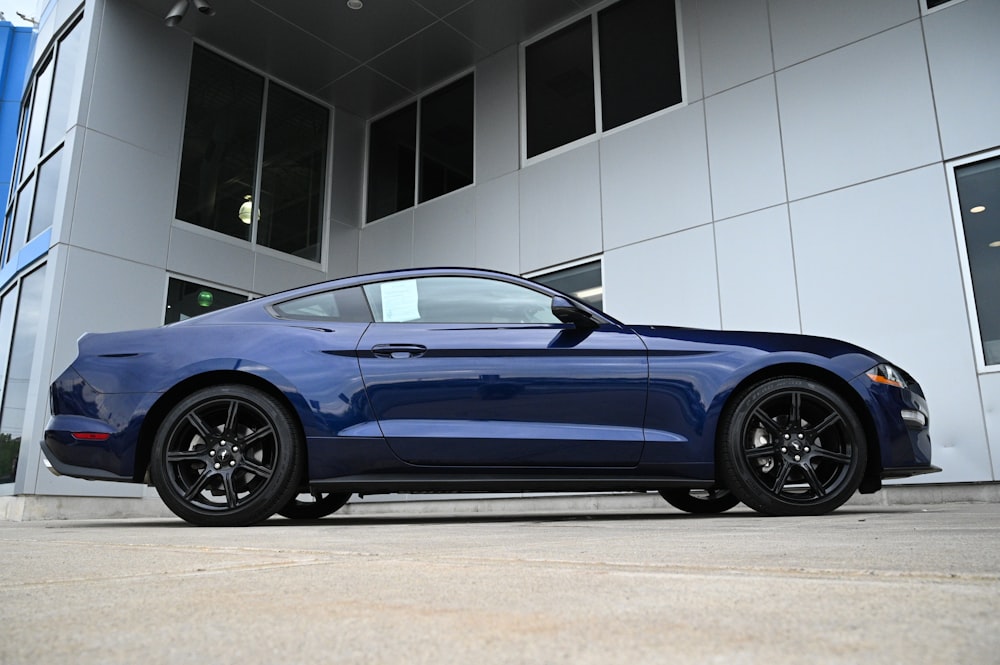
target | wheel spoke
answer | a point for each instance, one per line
(813, 480)
(234, 406)
(198, 485)
(768, 450)
(779, 483)
(795, 413)
(232, 499)
(839, 458)
(176, 456)
(766, 421)
(257, 435)
(203, 430)
(256, 469)
(827, 422)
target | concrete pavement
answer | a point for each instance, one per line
(867, 584)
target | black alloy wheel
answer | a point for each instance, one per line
(791, 446)
(227, 455)
(313, 506)
(701, 502)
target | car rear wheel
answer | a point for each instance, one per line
(791, 446)
(700, 502)
(228, 455)
(313, 506)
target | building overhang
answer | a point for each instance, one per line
(366, 60)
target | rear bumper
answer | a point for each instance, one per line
(62, 468)
(91, 459)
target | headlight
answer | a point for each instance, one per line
(888, 375)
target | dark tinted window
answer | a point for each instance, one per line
(187, 299)
(342, 305)
(559, 88)
(294, 174)
(220, 144)
(640, 72)
(637, 56)
(446, 129)
(392, 154)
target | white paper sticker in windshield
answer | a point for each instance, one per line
(399, 301)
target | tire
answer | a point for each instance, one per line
(791, 446)
(306, 506)
(701, 502)
(228, 455)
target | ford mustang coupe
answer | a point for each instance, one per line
(462, 380)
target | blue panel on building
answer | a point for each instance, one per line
(16, 44)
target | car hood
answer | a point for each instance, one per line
(663, 337)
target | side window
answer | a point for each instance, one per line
(631, 48)
(978, 219)
(346, 305)
(457, 300)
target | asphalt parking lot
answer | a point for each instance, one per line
(867, 584)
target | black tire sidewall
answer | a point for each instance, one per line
(279, 489)
(684, 500)
(734, 468)
(302, 510)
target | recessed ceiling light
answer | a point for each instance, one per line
(995, 243)
(355, 4)
(976, 209)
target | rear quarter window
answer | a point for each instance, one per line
(346, 305)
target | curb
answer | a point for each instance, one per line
(29, 508)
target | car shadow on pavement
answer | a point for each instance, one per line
(739, 513)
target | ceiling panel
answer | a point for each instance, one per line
(365, 61)
(496, 25)
(428, 57)
(364, 93)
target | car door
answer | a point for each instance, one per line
(472, 371)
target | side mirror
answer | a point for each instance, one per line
(567, 312)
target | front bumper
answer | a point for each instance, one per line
(901, 421)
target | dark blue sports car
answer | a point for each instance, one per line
(460, 380)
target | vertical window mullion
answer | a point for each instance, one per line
(258, 166)
(416, 152)
(596, 57)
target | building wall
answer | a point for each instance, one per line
(801, 188)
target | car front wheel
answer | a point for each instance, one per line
(227, 455)
(791, 446)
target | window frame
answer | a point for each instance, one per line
(417, 100)
(599, 132)
(325, 215)
(970, 297)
